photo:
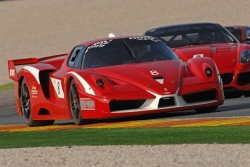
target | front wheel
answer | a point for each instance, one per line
(247, 94)
(233, 94)
(74, 102)
(206, 109)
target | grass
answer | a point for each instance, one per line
(6, 86)
(126, 136)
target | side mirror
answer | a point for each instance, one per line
(248, 36)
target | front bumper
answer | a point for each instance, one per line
(199, 98)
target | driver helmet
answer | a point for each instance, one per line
(205, 37)
(140, 51)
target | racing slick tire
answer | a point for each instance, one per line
(247, 94)
(25, 103)
(206, 109)
(233, 94)
(74, 103)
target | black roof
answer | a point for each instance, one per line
(184, 27)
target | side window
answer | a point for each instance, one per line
(78, 61)
(74, 54)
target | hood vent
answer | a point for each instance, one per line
(159, 79)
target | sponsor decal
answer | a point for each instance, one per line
(146, 38)
(12, 72)
(98, 45)
(33, 90)
(87, 104)
(166, 91)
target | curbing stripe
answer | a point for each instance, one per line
(173, 123)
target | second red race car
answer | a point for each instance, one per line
(212, 40)
(113, 77)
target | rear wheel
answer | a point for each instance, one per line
(74, 102)
(26, 109)
(26, 105)
(206, 109)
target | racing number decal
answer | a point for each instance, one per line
(58, 88)
(57, 84)
(154, 72)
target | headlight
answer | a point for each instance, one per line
(245, 56)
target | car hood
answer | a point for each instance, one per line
(160, 77)
(224, 54)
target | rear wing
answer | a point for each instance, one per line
(13, 63)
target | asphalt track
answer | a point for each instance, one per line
(232, 112)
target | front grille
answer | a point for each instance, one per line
(166, 102)
(199, 97)
(244, 78)
(125, 105)
(227, 78)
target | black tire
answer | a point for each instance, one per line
(247, 94)
(25, 104)
(207, 109)
(26, 109)
(74, 103)
(233, 94)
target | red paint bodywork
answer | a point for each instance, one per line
(122, 82)
(226, 57)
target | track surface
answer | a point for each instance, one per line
(233, 112)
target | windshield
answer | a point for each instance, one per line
(192, 34)
(126, 51)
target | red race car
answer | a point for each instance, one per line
(113, 77)
(211, 40)
(242, 33)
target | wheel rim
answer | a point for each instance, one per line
(25, 102)
(74, 103)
